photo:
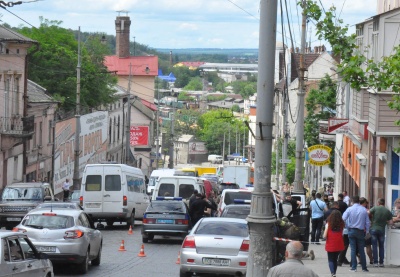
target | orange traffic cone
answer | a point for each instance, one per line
(122, 247)
(141, 253)
(130, 232)
(178, 261)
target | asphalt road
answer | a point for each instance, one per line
(160, 260)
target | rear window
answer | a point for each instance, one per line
(223, 186)
(236, 212)
(14, 193)
(232, 195)
(166, 189)
(93, 183)
(113, 183)
(223, 228)
(185, 190)
(40, 221)
(165, 206)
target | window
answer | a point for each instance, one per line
(135, 184)
(34, 135)
(16, 96)
(223, 229)
(93, 183)
(50, 131)
(15, 250)
(166, 189)
(185, 190)
(27, 249)
(113, 183)
(83, 221)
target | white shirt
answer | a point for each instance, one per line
(66, 186)
(346, 200)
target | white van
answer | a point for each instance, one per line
(178, 186)
(155, 174)
(215, 159)
(114, 193)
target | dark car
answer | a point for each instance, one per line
(166, 216)
(241, 209)
(223, 186)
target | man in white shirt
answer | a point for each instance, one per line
(346, 198)
(65, 188)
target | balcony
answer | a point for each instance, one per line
(14, 130)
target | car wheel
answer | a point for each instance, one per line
(98, 258)
(145, 239)
(131, 220)
(185, 274)
(109, 223)
(84, 266)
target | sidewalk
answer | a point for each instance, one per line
(320, 265)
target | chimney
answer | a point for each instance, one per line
(170, 58)
(323, 49)
(291, 50)
(122, 25)
(297, 49)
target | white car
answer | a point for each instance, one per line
(19, 257)
(65, 235)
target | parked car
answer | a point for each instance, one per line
(216, 246)
(19, 198)
(74, 196)
(59, 205)
(65, 235)
(223, 186)
(240, 209)
(19, 257)
(166, 216)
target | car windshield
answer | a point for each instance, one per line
(16, 193)
(237, 212)
(165, 206)
(232, 195)
(222, 228)
(51, 221)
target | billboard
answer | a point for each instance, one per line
(139, 136)
(197, 148)
(92, 142)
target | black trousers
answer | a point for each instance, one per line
(342, 255)
(316, 226)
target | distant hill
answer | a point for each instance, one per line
(213, 51)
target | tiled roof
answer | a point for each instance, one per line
(7, 34)
(139, 64)
(37, 94)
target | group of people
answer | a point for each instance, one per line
(343, 223)
(201, 206)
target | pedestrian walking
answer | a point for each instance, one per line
(358, 224)
(368, 242)
(293, 266)
(334, 239)
(342, 205)
(317, 207)
(65, 188)
(381, 216)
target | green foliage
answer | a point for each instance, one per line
(54, 65)
(212, 126)
(195, 83)
(290, 167)
(235, 108)
(213, 98)
(244, 88)
(184, 96)
(183, 75)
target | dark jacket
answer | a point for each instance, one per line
(342, 206)
(197, 209)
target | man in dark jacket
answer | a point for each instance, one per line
(193, 197)
(197, 208)
(342, 205)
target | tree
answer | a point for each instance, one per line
(195, 83)
(290, 167)
(54, 66)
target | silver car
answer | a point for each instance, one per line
(59, 205)
(65, 235)
(19, 257)
(216, 245)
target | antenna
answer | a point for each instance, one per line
(122, 11)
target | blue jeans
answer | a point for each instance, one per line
(357, 241)
(378, 238)
(333, 261)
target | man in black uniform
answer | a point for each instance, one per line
(197, 208)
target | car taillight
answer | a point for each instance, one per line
(81, 201)
(73, 234)
(182, 221)
(245, 245)
(242, 263)
(148, 220)
(124, 200)
(16, 229)
(189, 242)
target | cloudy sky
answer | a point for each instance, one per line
(177, 23)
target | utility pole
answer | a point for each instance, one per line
(277, 162)
(157, 127)
(75, 179)
(285, 131)
(298, 182)
(171, 141)
(261, 219)
(223, 150)
(128, 120)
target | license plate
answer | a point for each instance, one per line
(92, 205)
(218, 262)
(165, 221)
(46, 248)
(13, 219)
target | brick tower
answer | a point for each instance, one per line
(122, 28)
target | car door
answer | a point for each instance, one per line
(92, 191)
(23, 258)
(112, 192)
(94, 235)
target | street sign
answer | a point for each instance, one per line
(285, 161)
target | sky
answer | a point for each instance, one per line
(175, 24)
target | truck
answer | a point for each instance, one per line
(197, 171)
(239, 174)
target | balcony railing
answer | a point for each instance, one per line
(16, 125)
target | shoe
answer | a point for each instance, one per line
(376, 265)
(381, 265)
(346, 262)
(352, 270)
(365, 270)
(318, 243)
(312, 255)
(371, 262)
(333, 275)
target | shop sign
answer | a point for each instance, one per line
(319, 155)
